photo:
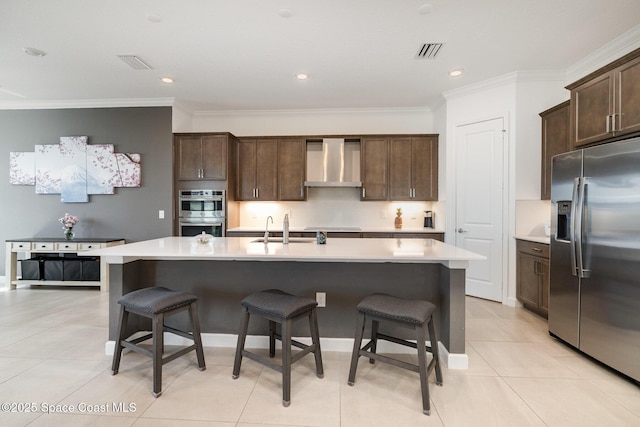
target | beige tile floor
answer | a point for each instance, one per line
(52, 355)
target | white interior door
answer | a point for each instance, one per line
(479, 203)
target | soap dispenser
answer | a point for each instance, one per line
(428, 219)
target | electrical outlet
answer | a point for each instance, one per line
(321, 298)
(160, 214)
(383, 215)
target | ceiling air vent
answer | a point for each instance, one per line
(135, 62)
(429, 50)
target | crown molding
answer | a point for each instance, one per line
(506, 79)
(87, 103)
(608, 53)
(309, 112)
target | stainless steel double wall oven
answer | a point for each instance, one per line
(202, 210)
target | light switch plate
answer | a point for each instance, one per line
(161, 214)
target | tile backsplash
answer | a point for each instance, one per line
(337, 207)
(532, 216)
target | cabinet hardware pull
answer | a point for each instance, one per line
(364, 193)
(608, 125)
(613, 123)
(257, 193)
(301, 191)
(536, 249)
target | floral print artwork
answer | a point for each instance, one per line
(22, 168)
(74, 169)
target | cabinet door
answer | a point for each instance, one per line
(555, 140)
(627, 78)
(374, 168)
(189, 154)
(214, 157)
(400, 165)
(527, 283)
(592, 104)
(543, 272)
(424, 168)
(266, 169)
(292, 159)
(246, 178)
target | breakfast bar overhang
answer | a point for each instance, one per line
(225, 270)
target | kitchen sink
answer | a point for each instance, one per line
(279, 240)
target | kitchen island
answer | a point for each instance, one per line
(225, 270)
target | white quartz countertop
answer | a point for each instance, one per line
(278, 228)
(299, 249)
(537, 239)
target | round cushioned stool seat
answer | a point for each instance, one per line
(276, 303)
(155, 300)
(415, 312)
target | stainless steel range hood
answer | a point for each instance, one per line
(333, 166)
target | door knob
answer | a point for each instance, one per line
(460, 230)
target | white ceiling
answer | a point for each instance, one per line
(242, 55)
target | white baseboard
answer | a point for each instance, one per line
(345, 345)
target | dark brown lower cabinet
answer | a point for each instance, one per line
(532, 271)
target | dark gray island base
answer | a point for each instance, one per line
(221, 285)
(226, 269)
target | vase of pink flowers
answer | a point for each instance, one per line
(68, 221)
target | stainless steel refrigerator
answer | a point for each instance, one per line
(594, 298)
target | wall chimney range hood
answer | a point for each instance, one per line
(333, 166)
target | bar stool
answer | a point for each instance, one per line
(409, 313)
(279, 308)
(157, 303)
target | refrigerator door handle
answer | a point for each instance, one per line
(572, 228)
(582, 273)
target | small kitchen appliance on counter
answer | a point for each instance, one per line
(428, 219)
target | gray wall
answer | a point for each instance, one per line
(130, 213)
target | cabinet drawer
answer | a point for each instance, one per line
(88, 246)
(20, 246)
(43, 246)
(67, 246)
(533, 248)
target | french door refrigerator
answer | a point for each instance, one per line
(594, 297)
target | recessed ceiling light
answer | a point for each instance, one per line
(285, 13)
(32, 51)
(167, 80)
(302, 76)
(425, 9)
(456, 72)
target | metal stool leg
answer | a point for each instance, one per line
(315, 340)
(374, 338)
(286, 362)
(272, 338)
(197, 338)
(242, 336)
(357, 342)
(422, 367)
(117, 352)
(435, 352)
(158, 346)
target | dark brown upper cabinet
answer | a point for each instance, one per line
(201, 157)
(257, 169)
(292, 170)
(555, 140)
(374, 168)
(413, 168)
(606, 104)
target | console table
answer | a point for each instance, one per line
(43, 245)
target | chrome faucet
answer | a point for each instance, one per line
(285, 229)
(266, 229)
